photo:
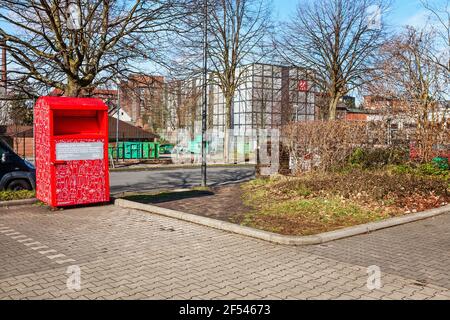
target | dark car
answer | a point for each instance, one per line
(15, 173)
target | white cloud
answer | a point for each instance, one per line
(419, 20)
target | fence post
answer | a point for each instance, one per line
(123, 146)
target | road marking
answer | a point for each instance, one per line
(47, 251)
(59, 255)
(17, 237)
(64, 261)
(40, 247)
(32, 244)
(35, 245)
(12, 233)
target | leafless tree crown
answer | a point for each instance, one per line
(337, 39)
(76, 45)
(237, 36)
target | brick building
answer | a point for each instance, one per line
(143, 98)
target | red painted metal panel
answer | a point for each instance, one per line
(81, 122)
(69, 103)
(42, 154)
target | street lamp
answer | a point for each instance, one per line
(118, 119)
(205, 89)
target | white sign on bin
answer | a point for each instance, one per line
(70, 151)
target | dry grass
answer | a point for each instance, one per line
(319, 202)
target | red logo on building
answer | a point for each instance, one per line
(303, 85)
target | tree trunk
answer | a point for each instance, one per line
(73, 88)
(228, 127)
(332, 108)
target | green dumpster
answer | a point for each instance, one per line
(134, 150)
(150, 150)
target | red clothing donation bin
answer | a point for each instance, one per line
(71, 141)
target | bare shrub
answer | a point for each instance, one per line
(428, 136)
(415, 81)
(328, 145)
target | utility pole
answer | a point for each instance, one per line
(205, 90)
(117, 121)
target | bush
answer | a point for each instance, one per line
(328, 145)
(378, 157)
(426, 169)
(16, 195)
(431, 169)
(322, 201)
(360, 186)
(441, 163)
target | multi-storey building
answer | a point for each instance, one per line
(267, 97)
(143, 97)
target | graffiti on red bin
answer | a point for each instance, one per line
(80, 181)
(42, 145)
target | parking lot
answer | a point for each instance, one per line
(128, 254)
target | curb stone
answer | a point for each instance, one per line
(279, 238)
(12, 203)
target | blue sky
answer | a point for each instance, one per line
(402, 12)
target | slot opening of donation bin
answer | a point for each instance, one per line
(77, 122)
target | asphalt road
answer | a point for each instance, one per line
(136, 181)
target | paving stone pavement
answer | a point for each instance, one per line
(128, 254)
(223, 203)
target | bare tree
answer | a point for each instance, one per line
(338, 40)
(237, 30)
(238, 33)
(417, 83)
(77, 45)
(440, 15)
(237, 36)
